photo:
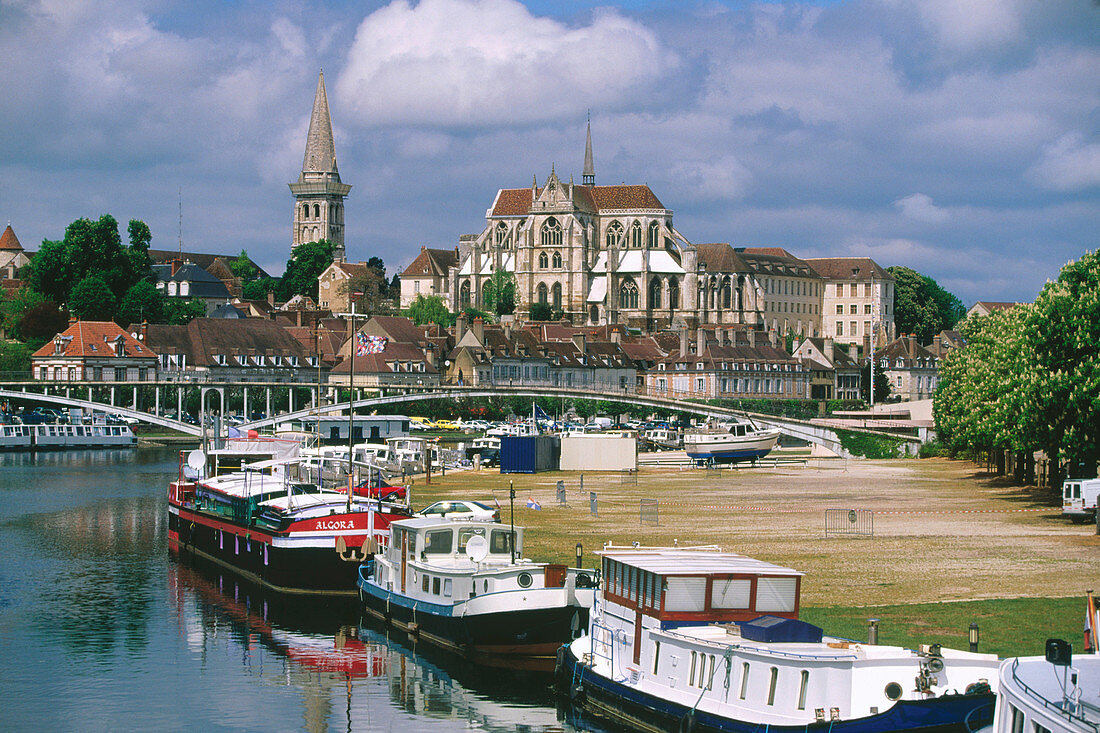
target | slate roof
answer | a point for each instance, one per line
(380, 363)
(397, 328)
(720, 258)
(202, 259)
(202, 283)
(776, 261)
(8, 240)
(714, 354)
(908, 350)
(840, 268)
(85, 339)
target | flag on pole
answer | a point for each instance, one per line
(365, 344)
(1092, 621)
(532, 504)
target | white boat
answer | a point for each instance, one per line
(1038, 696)
(664, 438)
(463, 584)
(729, 442)
(59, 436)
(703, 640)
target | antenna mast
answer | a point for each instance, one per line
(179, 193)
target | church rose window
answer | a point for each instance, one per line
(501, 234)
(551, 233)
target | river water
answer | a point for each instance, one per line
(101, 628)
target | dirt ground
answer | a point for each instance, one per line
(943, 530)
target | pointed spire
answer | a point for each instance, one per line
(588, 176)
(320, 148)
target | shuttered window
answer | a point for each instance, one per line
(730, 593)
(685, 594)
(775, 594)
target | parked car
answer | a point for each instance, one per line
(462, 507)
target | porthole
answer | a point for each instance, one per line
(893, 691)
(524, 580)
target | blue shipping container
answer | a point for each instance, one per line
(529, 453)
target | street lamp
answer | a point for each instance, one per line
(871, 337)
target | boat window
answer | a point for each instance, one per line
(424, 583)
(656, 656)
(632, 584)
(744, 679)
(466, 533)
(691, 672)
(771, 685)
(710, 677)
(730, 592)
(685, 594)
(501, 542)
(1036, 728)
(435, 586)
(1017, 718)
(802, 689)
(438, 541)
(776, 594)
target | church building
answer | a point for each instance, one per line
(319, 193)
(601, 255)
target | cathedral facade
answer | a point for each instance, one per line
(611, 254)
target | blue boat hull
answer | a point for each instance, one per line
(623, 704)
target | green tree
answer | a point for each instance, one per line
(541, 312)
(242, 267)
(430, 309)
(373, 292)
(1063, 340)
(142, 302)
(303, 268)
(92, 300)
(40, 323)
(882, 384)
(500, 293)
(178, 311)
(921, 306)
(259, 288)
(15, 358)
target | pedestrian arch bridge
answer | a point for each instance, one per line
(824, 436)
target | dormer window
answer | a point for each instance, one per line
(242, 359)
(660, 367)
(699, 365)
(221, 359)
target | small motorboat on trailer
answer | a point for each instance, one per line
(249, 509)
(729, 442)
(702, 640)
(462, 584)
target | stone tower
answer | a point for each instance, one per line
(319, 193)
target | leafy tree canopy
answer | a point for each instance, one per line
(373, 291)
(882, 384)
(541, 312)
(259, 288)
(500, 293)
(921, 306)
(142, 302)
(15, 357)
(243, 267)
(92, 300)
(92, 247)
(430, 309)
(303, 268)
(31, 318)
(178, 311)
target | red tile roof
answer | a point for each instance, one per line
(720, 258)
(431, 262)
(85, 339)
(517, 201)
(8, 241)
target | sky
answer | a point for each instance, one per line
(960, 138)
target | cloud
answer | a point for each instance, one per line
(1069, 164)
(492, 62)
(920, 207)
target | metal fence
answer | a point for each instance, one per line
(628, 476)
(561, 493)
(593, 505)
(850, 522)
(648, 512)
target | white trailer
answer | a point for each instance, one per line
(1079, 498)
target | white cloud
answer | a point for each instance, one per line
(964, 27)
(920, 207)
(723, 178)
(491, 62)
(1069, 164)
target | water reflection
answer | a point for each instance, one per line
(350, 673)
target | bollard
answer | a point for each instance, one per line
(580, 554)
(582, 483)
(872, 631)
(973, 636)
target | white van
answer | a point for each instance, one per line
(1079, 498)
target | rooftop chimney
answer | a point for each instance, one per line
(460, 327)
(827, 347)
(866, 344)
(581, 342)
(773, 338)
(683, 341)
(720, 336)
(176, 265)
(700, 341)
(752, 338)
(478, 328)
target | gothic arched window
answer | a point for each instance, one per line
(673, 293)
(543, 261)
(655, 293)
(727, 293)
(654, 235)
(464, 293)
(500, 234)
(305, 211)
(316, 211)
(628, 294)
(636, 234)
(551, 233)
(543, 293)
(614, 235)
(555, 296)
(557, 259)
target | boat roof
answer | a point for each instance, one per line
(417, 523)
(307, 501)
(693, 561)
(1038, 680)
